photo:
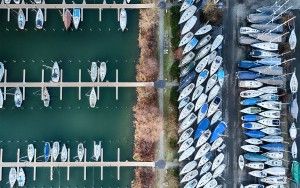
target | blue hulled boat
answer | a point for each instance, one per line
(248, 64)
(202, 126)
(251, 117)
(47, 151)
(254, 133)
(248, 75)
(273, 146)
(218, 131)
(185, 81)
(251, 101)
(254, 157)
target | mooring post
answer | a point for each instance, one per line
(118, 164)
(61, 79)
(24, 77)
(5, 80)
(1, 153)
(84, 168)
(117, 82)
(79, 85)
(34, 168)
(98, 80)
(101, 168)
(68, 167)
(8, 14)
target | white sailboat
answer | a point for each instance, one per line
(186, 144)
(186, 59)
(186, 111)
(184, 102)
(214, 105)
(204, 29)
(275, 171)
(203, 138)
(55, 73)
(253, 141)
(18, 97)
(12, 177)
(248, 30)
(200, 101)
(217, 42)
(271, 105)
(294, 150)
(21, 178)
(185, 135)
(294, 83)
(241, 162)
(123, 19)
(250, 93)
(205, 168)
(202, 151)
(39, 19)
(7, 1)
(211, 82)
(21, 19)
(217, 161)
(216, 64)
(189, 176)
(202, 64)
(187, 14)
(94, 71)
(1, 70)
(270, 114)
(269, 46)
(103, 70)
(216, 117)
(213, 92)
(205, 179)
(64, 154)
(204, 41)
(191, 184)
(55, 150)
(80, 151)
(293, 40)
(1, 99)
(218, 172)
(188, 167)
(217, 143)
(203, 52)
(293, 131)
(186, 154)
(272, 139)
(189, 25)
(187, 122)
(76, 17)
(93, 98)
(251, 148)
(250, 84)
(97, 150)
(17, 1)
(211, 183)
(186, 38)
(186, 91)
(30, 152)
(258, 174)
(45, 96)
(255, 165)
(198, 91)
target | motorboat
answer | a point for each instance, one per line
(271, 131)
(248, 30)
(250, 84)
(1, 99)
(64, 153)
(94, 71)
(12, 177)
(203, 138)
(21, 178)
(269, 46)
(202, 126)
(21, 19)
(274, 162)
(218, 172)
(184, 102)
(211, 183)
(187, 122)
(252, 141)
(247, 75)
(186, 59)
(255, 165)
(255, 133)
(270, 114)
(189, 176)
(198, 91)
(241, 162)
(218, 131)
(213, 92)
(186, 38)
(203, 75)
(257, 53)
(204, 29)
(271, 105)
(251, 148)
(123, 19)
(188, 167)
(77, 17)
(216, 117)
(204, 179)
(200, 101)
(268, 70)
(202, 112)
(274, 180)
(30, 152)
(55, 73)
(18, 97)
(253, 125)
(251, 110)
(221, 76)
(270, 122)
(1, 71)
(255, 157)
(250, 93)
(250, 101)
(55, 150)
(274, 155)
(204, 41)
(202, 151)
(293, 40)
(294, 150)
(293, 131)
(211, 82)
(186, 91)
(205, 168)
(203, 52)
(67, 18)
(202, 64)
(45, 96)
(214, 105)
(186, 144)
(190, 45)
(186, 154)
(258, 173)
(189, 25)
(272, 139)
(186, 111)
(205, 159)
(93, 98)
(191, 184)
(294, 83)
(217, 161)
(80, 151)
(47, 151)
(251, 117)
(277, 147)
(187, 14)
(185, 135)
(294, 109)
(275, 171)
(39, 19)
(97, 150)
(217, 42)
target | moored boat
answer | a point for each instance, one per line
(184, 102)
(21, 178)
(47, 151)
(186, 91)
(186, 154)
(187, 122)
(12, 177)
(255, 165)
(18, 97)
(190, 45)
(217, 42)
(64, 153)
(293, 131)
(80, 151)
(39, 19)
(203, 75)
(94, 71)
(213, 92)
(202, 151)
(189, 25)
(76, 17)
(204, 29)
(186, 38)
(186, 111)
(204, 41)
(294, 83)
(294, 150)
(198, 91)
(203, 52)
(241, 162)
(293, 40)
(200, 101)
(253, 125)
(55, 150)
(202, 112)
(186, 144)
(250, 84)
(217, 161)
(30, 152)
(216, 64)
(55, 72)
(211, 83)
(269, 46)
(189, 176)
(217, 143)
(21, 19)
(216, 117)
(254, 141)
(67, 18)
(203, 138)
(214, 105)
(45, 96)
(187, 14)
(205, 168)
(93, 98)
(188, 167)
(185, 135)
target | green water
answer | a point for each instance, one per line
(70, 121)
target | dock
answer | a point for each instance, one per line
(72, 164)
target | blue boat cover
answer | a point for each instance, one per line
(219, 130)
(250, 117)
(273, 146)
(251, 101)
(254, 157)
(185, 81)
(202, 126)
(254, 133)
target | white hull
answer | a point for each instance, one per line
(203, 52)
(184, 102)
(21, 19)
(188, 167)
(12, 177)
(275, 171)
(217, 42)
(123, 19)
(216, 117)
(186, 38)
(18, 97)
(204, 41)
(217, 143)
(30, 152)
(251, 148)
(94, 71)
(203, 75)
(255, 165)
(213, 107)
(45, 97)
(293, 131)
(189, 25)
(1, 71)
(241, 162)
(93, 98)
(76, 17)
(269, 46)
(80, 151)
(253, 141)
(202, 151)
(203, 138)
(186, 154)
(39, 20)
(21, 178)
(273, 139)
(1, 99)
(216, 64)
(55, 150)
(218, 172)
(271, 114)
(294, 150)
(203, 30)
(202, 64)
(211, 82)
(217, 161)
(186, 91)
(213, 92)
(258, 174)
(186, 59)
(205, 168)
(97, 151)
(200, 101)
(55, 73)
(248, 30)
(189, 176)
(250, 93)
(187, 122)
(205, 179)
(198, 91)
(250, 84)
(185, 135)
(293, 40)
(186, 144)
(64, 154)
(186, 111)
(294, 83)
(187, 14)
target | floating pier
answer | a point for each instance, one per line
(84, 164)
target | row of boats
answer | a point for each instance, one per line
(68, 18)
(262, 81)
(18, 174)
(96, 73)
(201, 128)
